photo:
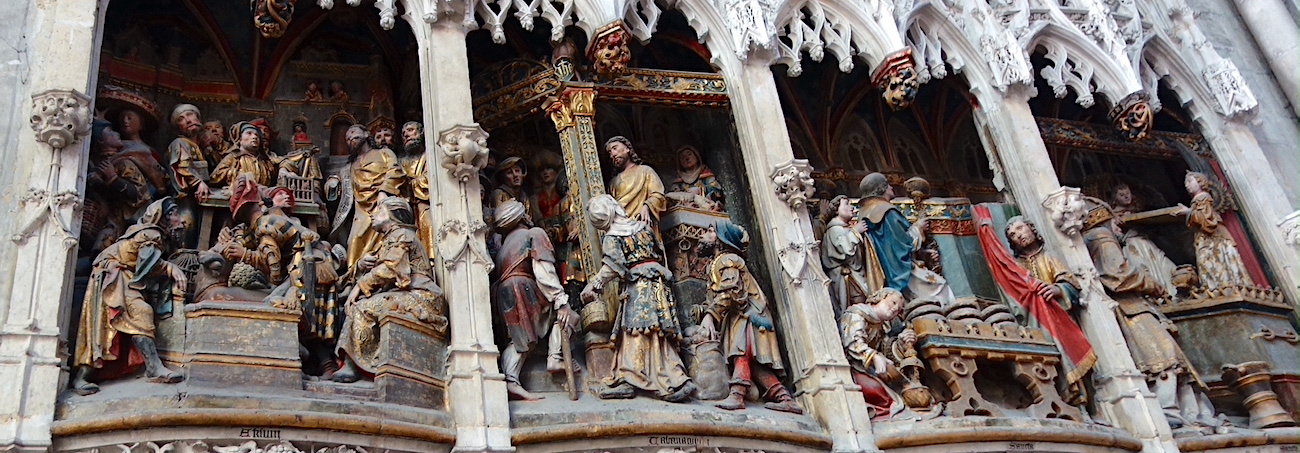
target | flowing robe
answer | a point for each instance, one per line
(704, 180)
(637, 187)
(647, 333)
(1153, 349)
(115, 301)
(400, 283)
(375, 172)
(844, 253)
(864, 337)
(888, 231)
(239, 162)
(1217, 260)
(417, 173)
(188, 165)
(745, 319)
(528, 289)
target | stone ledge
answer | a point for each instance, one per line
(557, 420)
(1243, 438)
(160, 406)
(948, 431)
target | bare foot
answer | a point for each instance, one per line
(517, 392)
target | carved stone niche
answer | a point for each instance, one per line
(992, 366)
(1237, 324)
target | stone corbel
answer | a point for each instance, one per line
(1133, 115)
(1066, 208)
(794, 183)
(896, 78)
(464, 151)
(1290, 226)
(60, 117)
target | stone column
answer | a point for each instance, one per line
(61, 56)
(1010, 136)
(572, 113)
(822, 383)
(1278, 37)
(479, 405)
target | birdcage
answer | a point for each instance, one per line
(303, 189)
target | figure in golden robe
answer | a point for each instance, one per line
(739, 311)
(273, 235)
(416, 167)
(511, 174)
(395, 279)
(248, 157)
(647, 334)
(1217, 259)
(372, 173)
(637, 187)
(185, 157)
(129, 285)
(1148, 333)
(874, 354)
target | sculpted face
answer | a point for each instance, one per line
(890, 307)
(250, 140)
(412, 133)
(384, 137)
(901, 89)
(189, 123)
(1021, 235)
(549, 176)
(1123, 196)
(514, 177)
(216, 129)
(846, 210)
(710, 236)
(1193, 186)
(131, 123)
(282, 199)
(381, 218)
(687, 159)
(355, 138)
(619, 153)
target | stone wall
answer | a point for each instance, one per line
(1275, 123)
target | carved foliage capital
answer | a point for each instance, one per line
(464, 150)
(1066, 208)
(794, 183)
(60, 117)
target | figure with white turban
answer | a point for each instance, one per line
(529, 296)
(647, 334)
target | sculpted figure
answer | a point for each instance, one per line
(337, 94)
(221, 142)
(554, 207)
(511, 173)
(1027, 246)
(636, 187)
(416, 166)
(274, 233)
(372, 173)
(383, 133)
(889, 232)
(249, 157)
(118, 184)
(696, 185)
(132, 124)
(313, 93)
(647, 334)
(395, 278)
(844, 256)
(872, 352)
(1148, 333)
(529, 296)
(185, 157)
(1139, 248)
(129, 285)
(748, 331)
(1217, 259)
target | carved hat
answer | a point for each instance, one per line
(180, 109)
(511, 162)
(731, 234)
(270, 192)
(873, 185)
(114, 99)
(1099, 213)
(244, 194)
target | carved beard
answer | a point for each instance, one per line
(414, 146)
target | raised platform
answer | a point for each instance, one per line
(994, 434)
(135, 411)
(557, 424)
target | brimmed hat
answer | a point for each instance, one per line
(113, 99)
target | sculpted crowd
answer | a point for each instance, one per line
(146, 253)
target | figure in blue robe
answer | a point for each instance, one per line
(888, 231)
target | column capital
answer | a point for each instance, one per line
(464, 150)
(60, 117)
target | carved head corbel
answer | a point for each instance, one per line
(272, 17)
(609, 51)
(60, 117)
(1066, 208)
(794, 183)
(464, 150)
(1133, 115)
(896, 77)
